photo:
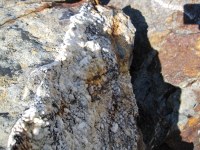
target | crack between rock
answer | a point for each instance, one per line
(58, 82)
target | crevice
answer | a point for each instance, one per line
(158, 101)
(68, 4)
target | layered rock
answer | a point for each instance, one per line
(65, 80)
(165, 70)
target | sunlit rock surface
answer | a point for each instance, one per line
(64, 79)
(166, 70)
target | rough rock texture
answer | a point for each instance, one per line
(64, 77)
(165, 71)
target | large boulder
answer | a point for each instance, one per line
(64, 77)
(165, 70)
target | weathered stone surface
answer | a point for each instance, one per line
(165, 71)
(64, 77)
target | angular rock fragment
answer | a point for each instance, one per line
(66, 83)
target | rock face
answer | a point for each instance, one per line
(165, 71)
(64, 77)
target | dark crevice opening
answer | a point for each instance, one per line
(104, 2)
(157, 100)
(68, 1)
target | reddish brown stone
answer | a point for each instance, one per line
(190, 132)
(179, 59)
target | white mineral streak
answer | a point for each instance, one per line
(170, 6)
(173, 7)
(82, 100)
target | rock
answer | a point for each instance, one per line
(114, 127)
(64, 80)
(165, 70)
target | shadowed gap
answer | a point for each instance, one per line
(192, 14)
(157, 100)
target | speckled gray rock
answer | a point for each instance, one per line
(65, 80)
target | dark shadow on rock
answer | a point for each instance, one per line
(191, 14)
(70, 1)
(104, 2)
(157, 100)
